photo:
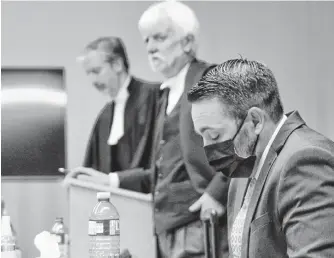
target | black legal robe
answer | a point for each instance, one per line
(134, 149)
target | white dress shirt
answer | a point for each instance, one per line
(176, 85)
(117, 128)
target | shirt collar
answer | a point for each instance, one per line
(266, 150)
(172, 82)
(280, 124)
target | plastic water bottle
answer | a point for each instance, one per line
(60, 231)
(103, 229)
(8, 240)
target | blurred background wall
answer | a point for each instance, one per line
(295, 39)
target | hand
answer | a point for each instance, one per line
(207, 202)
(94, 175)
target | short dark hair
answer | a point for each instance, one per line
(113, 47)
(240, 84)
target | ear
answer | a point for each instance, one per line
(188, 43)
(257, 117)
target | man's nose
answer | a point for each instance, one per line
(92, 77)
(151, 46)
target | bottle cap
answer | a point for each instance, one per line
(103, 195)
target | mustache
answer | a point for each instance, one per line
(156, 56)
(99, 86)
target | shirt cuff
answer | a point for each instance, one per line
(114, 180)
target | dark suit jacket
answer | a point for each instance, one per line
(134, 149)
(175, 197)
(291, 212)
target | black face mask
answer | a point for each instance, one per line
(222, 157)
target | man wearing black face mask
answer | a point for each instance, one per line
(224, 157)
(280, 201)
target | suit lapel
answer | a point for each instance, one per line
(160, 110)
(150, 112)
(133, 107)
(103, 154)
(256, 195)
(131, 104)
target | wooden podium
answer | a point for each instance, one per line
(136, 218)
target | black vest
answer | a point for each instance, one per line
(169, 154)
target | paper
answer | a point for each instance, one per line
(47, 245)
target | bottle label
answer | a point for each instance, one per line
(60, 238)
(104, 227)
(63, 250)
